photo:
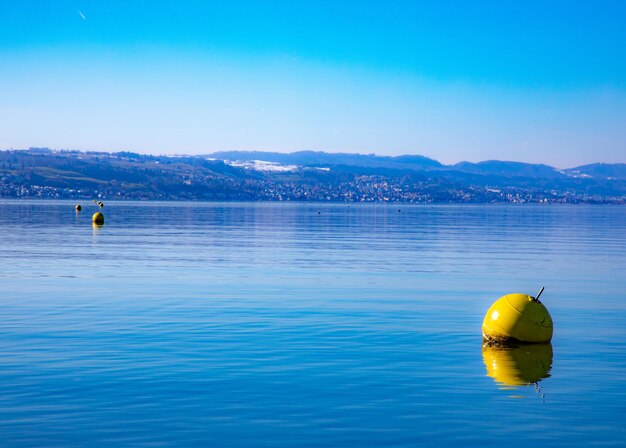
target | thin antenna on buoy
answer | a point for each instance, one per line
(538, 294)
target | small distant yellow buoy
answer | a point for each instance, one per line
(78, 207)
(517, 318)
(97, 218)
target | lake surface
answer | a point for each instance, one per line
(179, 324)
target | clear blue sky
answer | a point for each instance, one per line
(523, 80)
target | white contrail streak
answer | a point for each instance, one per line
(82, 15)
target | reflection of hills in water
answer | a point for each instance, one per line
(518, 366)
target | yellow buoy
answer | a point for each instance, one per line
(517, 318)
(97, 218)
(78, 207)
(519, 366)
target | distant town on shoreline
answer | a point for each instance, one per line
(300, 176)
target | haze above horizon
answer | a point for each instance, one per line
(528, 81)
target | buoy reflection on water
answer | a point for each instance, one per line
(518, 366)
(95, 230)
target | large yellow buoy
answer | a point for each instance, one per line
(517, 318)
(519, 366)
(97, 218)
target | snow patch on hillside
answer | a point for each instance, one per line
(261, 165)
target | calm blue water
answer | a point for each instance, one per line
(307, 325)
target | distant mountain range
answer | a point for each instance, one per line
(300, 176)
(325, 159)
(421, 163)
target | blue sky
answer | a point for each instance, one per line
(522, 80)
